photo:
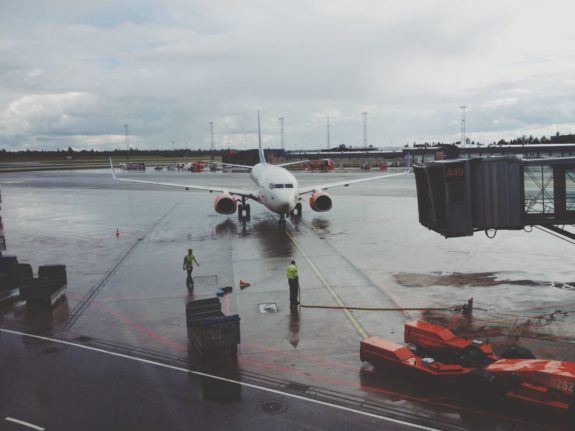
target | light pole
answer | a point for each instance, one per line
(364, 129)
(127, 140)
(463, 108)
(211, 123)
(283, 144)
(327, 125)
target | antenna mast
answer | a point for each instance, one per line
(463, 108)
(282, 132)
(127, 137)
(328, 144)
(364, 129)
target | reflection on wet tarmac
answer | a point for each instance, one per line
(476, 409)
(321, 224)
(2, 237)
(220, 390)
(294, 327)
(400, 385)
(457, 279)
(42, 318)
(226, 227)
(274, 241)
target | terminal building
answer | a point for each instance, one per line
(355, 157)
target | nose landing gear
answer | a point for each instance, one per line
(282, 221)
(244, 211)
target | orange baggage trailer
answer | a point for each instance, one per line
(443, 356)
(384, 354)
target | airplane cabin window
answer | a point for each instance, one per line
(279, 186)
(288, 186)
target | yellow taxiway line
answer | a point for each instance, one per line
(334, 295)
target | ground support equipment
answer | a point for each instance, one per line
(48, 288)
(12, 276)
(213, 336)
(440, 355)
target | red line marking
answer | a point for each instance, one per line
(142, 298)
(294, 371)
(143, 329)
(298, 356)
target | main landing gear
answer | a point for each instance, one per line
(296, 213)
(244, 211)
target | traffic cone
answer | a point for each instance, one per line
(243, 284)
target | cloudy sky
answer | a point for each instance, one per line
(73, 73)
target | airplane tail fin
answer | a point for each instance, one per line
(262, 155)
(112, 168)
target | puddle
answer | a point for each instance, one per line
(458, 279)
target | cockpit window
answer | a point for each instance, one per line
(281, 186)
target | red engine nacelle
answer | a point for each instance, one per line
(320, 201)
(225, 204)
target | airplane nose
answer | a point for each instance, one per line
(287, 203)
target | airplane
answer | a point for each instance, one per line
(276, 188)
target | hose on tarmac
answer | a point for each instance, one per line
(336, 307)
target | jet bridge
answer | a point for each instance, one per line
(461, 196)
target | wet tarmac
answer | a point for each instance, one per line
(127, 293)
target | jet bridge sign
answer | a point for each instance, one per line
(455, 173)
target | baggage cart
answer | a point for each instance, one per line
(48, 288)
(211, 334)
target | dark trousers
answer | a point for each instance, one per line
(189, 278)
(293, 291)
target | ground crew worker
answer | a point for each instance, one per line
(189, 260)
(293, 280)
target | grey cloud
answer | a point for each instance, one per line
(168, 68)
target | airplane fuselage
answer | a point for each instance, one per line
(278, 187)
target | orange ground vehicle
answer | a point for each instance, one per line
(197, 166)
(541, 382)
(322, 165)
(387, 355)
(515, 374)
(445, 345)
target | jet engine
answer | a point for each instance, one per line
(320, 201)
(225, 204)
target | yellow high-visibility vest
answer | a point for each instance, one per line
(189, 259)
(292, 271)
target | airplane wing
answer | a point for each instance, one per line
(233, 165)
(293, 163)
(309, 189)
(252, 194)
